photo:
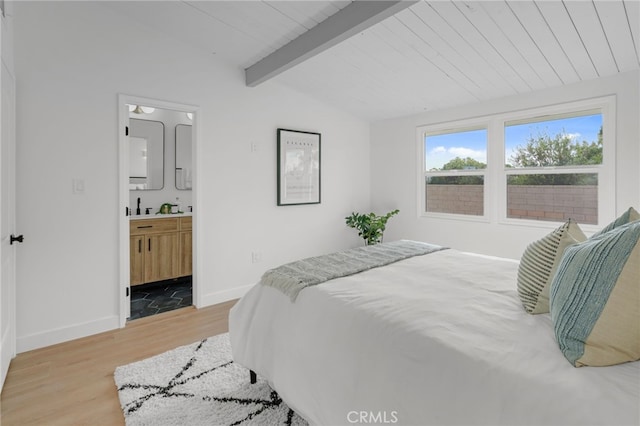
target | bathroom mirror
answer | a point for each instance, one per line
(183, 157)
(146, 155)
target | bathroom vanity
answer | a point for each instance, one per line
(160, 248)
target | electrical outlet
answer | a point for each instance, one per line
(254, 147)
(256, 257)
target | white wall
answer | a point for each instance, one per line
(394, 147)
(72, 59)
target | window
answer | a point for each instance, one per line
(545, 164)
(455, 164)
(552, 167)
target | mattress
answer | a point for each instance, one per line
(432, 340)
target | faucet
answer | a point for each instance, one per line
(138, 209)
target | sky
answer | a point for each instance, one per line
(440, 149)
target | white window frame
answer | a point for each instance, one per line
(495, 175)
(440, 129)
(604, 171)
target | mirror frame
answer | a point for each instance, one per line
(179, 169)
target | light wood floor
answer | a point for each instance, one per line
(72, 383)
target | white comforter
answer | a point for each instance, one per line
(432, 340)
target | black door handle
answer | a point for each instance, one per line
(13, 238)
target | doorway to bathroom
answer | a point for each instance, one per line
(162, 296)
(157, 198)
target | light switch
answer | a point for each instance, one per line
(78, 186)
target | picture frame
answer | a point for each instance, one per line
(298, 167)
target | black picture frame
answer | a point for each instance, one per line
(299, 168)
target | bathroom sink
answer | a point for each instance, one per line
(156, 216)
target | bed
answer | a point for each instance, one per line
(434, 339)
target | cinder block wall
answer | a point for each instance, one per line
(556, 203)
(537, 202)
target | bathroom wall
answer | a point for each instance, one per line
(153, 199)
(72, 60)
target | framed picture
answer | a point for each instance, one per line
(298, 167)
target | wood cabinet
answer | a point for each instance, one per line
(160, 249)
(186, 246)
(136, 259)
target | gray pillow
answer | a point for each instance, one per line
(629, 216)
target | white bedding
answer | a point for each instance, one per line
(432, 340)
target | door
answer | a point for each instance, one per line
(186, 253)
(161, 257)
(136, 256)
(7, 221)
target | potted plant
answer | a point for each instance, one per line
(370, 226)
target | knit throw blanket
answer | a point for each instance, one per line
(293, 277)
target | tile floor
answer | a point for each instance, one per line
(154, 298)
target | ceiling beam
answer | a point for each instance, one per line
(354, 18)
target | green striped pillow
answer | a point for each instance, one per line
(539, 263)
(595, 299)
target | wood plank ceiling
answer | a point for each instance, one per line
(432, 55)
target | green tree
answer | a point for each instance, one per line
(464, 164)
(545, 151)
(589, 153)
(460, 164)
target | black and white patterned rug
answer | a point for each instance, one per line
(198, 384)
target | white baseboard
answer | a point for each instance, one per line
(64, 334)
(223, 296)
